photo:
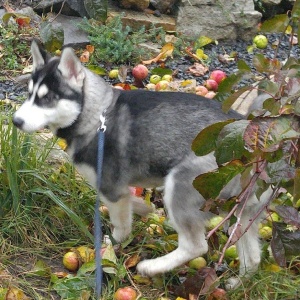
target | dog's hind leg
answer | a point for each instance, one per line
(183, 204)
(248, 246)
(120, 214)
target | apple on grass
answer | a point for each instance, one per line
(71, 261)
(125, 293)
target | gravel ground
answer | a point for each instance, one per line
(17, 91)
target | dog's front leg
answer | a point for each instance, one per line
(120, 213)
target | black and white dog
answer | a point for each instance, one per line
(148, 143)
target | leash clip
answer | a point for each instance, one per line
(102, 123)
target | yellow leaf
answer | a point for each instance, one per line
(167, 50)
(62, 143)
(201, 55)
(288, 29)
(203, 41)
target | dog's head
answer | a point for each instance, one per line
(55, 92)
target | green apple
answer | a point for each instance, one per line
(113, 74)
(167, 77)
(231, 253)
(260, 41)
(155, 79)
(197, 263)
(265, 232)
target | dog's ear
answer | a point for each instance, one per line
(39, 56)
(71, 67)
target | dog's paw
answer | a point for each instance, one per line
(232, 283)
(147, 268)
(121, 233)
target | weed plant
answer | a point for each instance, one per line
(118, 44)
(14, 47)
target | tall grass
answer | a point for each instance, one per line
(35, 188)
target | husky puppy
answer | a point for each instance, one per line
(147, 143)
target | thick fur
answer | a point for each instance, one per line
(148, 143)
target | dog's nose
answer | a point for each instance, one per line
(18, 122)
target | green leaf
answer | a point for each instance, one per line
(269, 86)
(276, 24)
(97, 70)
(265, 64)
(284, 243)
(40, 268)
(209, 185)
(243, 66)
(280, 171)
(267, 133)
(230, 143)
(74, 288)
(205, 141)
(161, 71)
(226, 85)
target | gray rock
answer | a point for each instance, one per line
(218, 19)
(164, 6)
(73, 36)
(135, 4)
(69, 7)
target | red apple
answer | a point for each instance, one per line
(71, 261)
(126, 293)
(218, 76)
(211, 84)
(201, 90)
(140, 72)
(210, 95)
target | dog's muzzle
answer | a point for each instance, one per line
(18, 122)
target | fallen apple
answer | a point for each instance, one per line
(71, 261)
(87, 254)
(167, 77)
(265, 232)
(113, 74)
(150, 86)
(210, 95)
(214, 221)
(211, 84)
(155, 79)
(218, 76)
(201, 90)
(260, 41)
(231, 253)
(140, 72)
(162, 85)
(197, 263)
(126, 293)
(218, 294)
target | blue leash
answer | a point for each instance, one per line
(97, 218)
